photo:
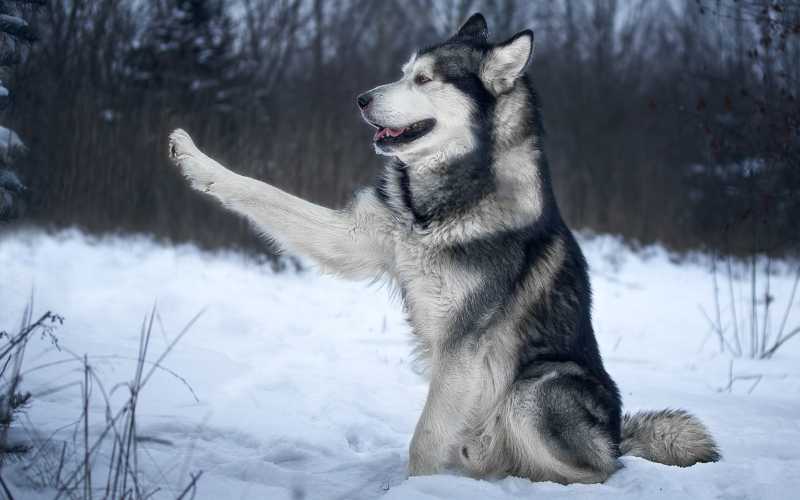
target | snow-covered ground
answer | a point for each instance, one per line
(306, 387)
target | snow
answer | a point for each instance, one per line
(14, 22)
(9, 142)
(306, 387)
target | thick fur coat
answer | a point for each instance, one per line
(464, 222)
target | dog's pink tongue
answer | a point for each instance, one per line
(394, 132)
(391, 132)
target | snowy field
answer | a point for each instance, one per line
(305, 388)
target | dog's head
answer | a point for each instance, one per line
(446, 92)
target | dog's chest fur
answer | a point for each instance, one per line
(433, 285)
(437, 288)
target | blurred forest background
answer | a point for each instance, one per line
(667, 121)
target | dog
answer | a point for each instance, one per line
(464, 222)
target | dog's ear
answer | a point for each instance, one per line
(506, 62)
(474, 28)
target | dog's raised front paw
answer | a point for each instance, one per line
(180, 145)
(199, 169)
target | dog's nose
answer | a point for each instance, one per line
(364, 100)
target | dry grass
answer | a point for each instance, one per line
(81, 465)
(751, 326)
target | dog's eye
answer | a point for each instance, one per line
(421, 79)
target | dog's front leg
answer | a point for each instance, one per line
(426, 454)
(351, 243)
(441, 424)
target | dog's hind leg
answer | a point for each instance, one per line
(548, 429)
(350, 242)
(561, 429)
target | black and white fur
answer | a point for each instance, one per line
(464, 222)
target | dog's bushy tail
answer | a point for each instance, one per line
(671, 437)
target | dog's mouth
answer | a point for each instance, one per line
(388, 135)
